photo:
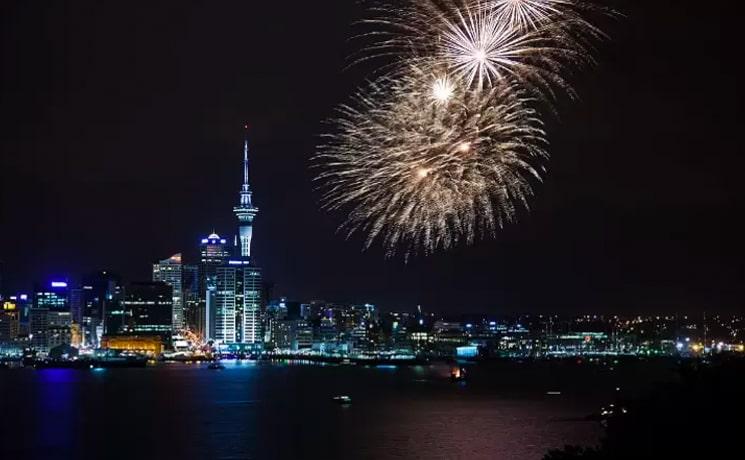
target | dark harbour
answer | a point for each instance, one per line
(286, 411)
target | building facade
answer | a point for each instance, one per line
(170, 271)
(214, 253)
(150, 309)
(9, 321)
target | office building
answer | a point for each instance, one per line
(190, 293)
(149, 309)
(214, 253)
(50, 318)
(170, 272)
(9, 321)
(252, 305)
(102, 292)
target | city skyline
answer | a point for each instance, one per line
(618, 226)
(383, 229)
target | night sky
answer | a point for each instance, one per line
(121, 141)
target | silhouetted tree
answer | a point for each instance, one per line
(699, 418)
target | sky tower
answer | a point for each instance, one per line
(245, 211)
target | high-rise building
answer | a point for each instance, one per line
(238, 303)
(232, 286)
(77, 304)
(170, 272)
(53, 297)
(213, 253)
(252, 305)
(225, 305)
(102, 293)
(245, 211)
(38, 326)
(190, 294)
(150, 309)
(50, 318)
(9, 321)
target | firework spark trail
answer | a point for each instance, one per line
(423, 169)
(530, 14)
(484, 39)
(445, 145)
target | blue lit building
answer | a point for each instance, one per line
(50, 318)
(238, 313)
(214, 253)
(230, 284)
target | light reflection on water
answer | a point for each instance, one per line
(286, 411)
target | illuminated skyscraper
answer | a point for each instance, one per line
(170, 272)
(50, 318)
(245, 211)
(213, 250)
(213, 253)
(237, 301)
(252, 311)
(225, 305)
(231, 286)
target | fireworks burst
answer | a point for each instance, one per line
(480, 40)
(529, 14)
(422, 172)
(486, 50)
(445, 145)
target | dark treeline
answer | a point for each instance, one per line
(698, 417)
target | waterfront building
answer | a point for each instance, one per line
(281, 336)
(57, 335)
(149, 307)
(102, 292)
(38, 326)
(303, 335)
(149, 344)
(237, 301)
(118, 320)
(77, 304)
(50, 318)
(24, 303)
(9, 321)
(225, 305)
(170, 272)
(252, 305)
(214, 253)
(190, 293)
(52, 297)
(234, 310)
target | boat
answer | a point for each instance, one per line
(458, 374)
(344, 400)
(215, 365)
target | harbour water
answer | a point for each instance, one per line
(286, 411)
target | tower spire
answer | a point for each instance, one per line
(245, 211)
(245, 158)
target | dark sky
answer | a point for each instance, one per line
(120, 143)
